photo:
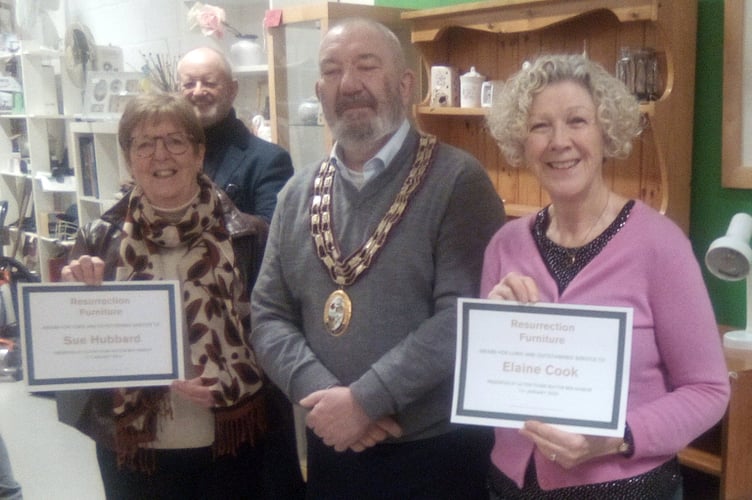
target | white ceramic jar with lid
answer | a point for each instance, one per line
(470, 88)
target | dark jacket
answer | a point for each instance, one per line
(250, 170)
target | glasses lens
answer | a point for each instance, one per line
(144, 147)
(176, 143)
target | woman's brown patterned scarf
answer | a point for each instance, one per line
(217, 312)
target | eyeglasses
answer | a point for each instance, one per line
(176, 143)
(190, 85)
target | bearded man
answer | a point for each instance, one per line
(390, 229)
(249, 169)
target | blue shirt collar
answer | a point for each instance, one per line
(380, 160)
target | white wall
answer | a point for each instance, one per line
(140, 27)
(143, 26)
(158, 26)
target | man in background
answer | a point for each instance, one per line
(249, 169)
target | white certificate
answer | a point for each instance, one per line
(119, 334)
(560, 364)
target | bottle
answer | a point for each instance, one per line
(625, 68)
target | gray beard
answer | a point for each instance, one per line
(365, 135)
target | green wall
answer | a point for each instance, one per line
(712, 206)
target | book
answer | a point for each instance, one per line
(88, 166)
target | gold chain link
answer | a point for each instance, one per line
(345, 272)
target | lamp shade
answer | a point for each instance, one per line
(730, 256)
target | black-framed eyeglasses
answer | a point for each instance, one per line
(176, 143)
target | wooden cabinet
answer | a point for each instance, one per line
(498, 36)
(293, 45)
(724, 451)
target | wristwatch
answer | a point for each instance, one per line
(626, 448)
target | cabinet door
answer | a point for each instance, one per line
(293, 45)
(295, 110)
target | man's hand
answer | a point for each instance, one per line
(377, 432)
(336, 417)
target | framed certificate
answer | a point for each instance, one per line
(119, 334)
(559, 364)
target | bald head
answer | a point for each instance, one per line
(364, 85)
(206, 80)
(367, 29)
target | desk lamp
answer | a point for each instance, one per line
(729, 258)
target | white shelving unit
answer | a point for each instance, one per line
(32, 140)
(99, 166)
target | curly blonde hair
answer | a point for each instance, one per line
(617, 110)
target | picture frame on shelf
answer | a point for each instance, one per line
(736, 163)
(108, 92)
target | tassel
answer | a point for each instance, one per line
(240, 424)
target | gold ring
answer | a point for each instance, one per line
(553, 457)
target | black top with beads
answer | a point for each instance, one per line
(565, 263)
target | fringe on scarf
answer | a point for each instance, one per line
(242, 423)
(153, 405)
(234, 426)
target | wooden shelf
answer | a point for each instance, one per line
(497, 36)
(518, 16)
(723, 451)
(704, 461)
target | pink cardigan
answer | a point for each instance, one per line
(679, 381)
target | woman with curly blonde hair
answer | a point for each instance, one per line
(562, 116)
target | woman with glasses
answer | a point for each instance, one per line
(202, 437)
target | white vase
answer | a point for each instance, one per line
(246, 51)
(308, 111)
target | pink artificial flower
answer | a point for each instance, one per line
(209, 18)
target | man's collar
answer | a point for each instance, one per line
(229, 130)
